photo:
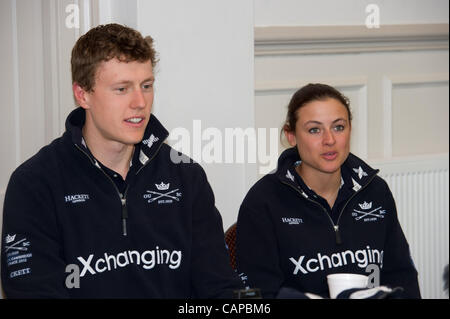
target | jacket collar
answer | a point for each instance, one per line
(155, 134)
(360, 173)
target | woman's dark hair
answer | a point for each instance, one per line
(309, 93)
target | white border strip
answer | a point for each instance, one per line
(15, 57)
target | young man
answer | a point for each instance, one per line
(103, 212)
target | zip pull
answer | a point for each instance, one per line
(124, 215)
(338, 235)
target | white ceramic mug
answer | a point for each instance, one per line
(340, 282)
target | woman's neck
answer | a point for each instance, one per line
(324, 184)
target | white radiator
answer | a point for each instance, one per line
(421, 190)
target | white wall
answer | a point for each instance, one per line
(205, 73)
(347, 12)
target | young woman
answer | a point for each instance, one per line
(322, 211)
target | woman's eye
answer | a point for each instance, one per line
(339, 128)
(314, 130)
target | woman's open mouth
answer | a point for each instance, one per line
(329, 156)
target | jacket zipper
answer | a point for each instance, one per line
(335, 226)
(123, 197)
(150, 159)
(348, 201)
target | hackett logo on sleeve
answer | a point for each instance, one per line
(18, 253)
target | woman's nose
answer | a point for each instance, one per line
(328, 137)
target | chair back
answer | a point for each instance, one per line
(230, 239)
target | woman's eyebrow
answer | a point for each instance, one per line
(339, 119)
(312, 122)
(320, 123)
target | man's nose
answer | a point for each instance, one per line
(139, 100)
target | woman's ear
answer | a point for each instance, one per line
(290, 135)
(81, 96)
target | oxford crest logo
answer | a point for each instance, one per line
(367, 214)
(163, 194)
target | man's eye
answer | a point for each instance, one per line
(147, 86)
(121, 90)
(314, 130)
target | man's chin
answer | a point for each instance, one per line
(131, 141)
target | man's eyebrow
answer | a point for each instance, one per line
(150, 79)
(121, 82)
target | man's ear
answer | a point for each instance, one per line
(81, 96)
(290, 136)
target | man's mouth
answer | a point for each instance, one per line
(134, 120)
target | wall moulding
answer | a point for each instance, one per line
(274, 87)
(389, 82)
(408, 164)
(290, 40)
